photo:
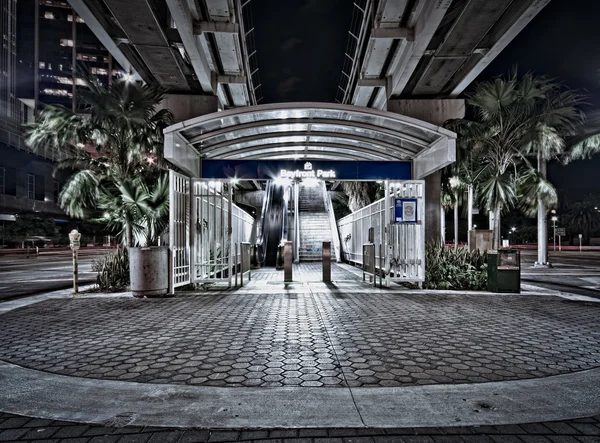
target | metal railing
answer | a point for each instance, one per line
(335, 235)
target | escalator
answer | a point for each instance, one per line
(273, 224)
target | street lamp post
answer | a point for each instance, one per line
(554, 218)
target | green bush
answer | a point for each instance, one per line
(113, 270)
(449, 268)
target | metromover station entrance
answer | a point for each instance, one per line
(250, 183)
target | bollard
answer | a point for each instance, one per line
(287, 262)
(326, 252)
(74, 237)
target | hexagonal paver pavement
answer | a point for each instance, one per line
(306, 339)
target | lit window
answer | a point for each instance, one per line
(70, 19)
(30, 186)
(49, 15)
(42, 65)
(99, 71)
(64, 80)
(59, 92)
(2, 181)
(87, 58)
(66, 42)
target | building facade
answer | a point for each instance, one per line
(64, 41)
(27, 182)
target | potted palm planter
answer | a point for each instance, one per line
(149, 271)
(148, 199)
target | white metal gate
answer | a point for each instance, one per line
(399, 247)
(179, 230)
(220, 228)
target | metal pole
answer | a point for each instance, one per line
(554, 234)
(75, 276)
(579, 244)
(74, 58)
(559, 243)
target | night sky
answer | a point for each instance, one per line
(301, 47)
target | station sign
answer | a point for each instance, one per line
(320, 169)
(561, 232)
(405, 210)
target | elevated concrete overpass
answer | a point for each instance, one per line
(189, 47)
(409, 57)
(425, 48)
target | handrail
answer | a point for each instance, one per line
(261, 240)
(296, 222)
(335, 235)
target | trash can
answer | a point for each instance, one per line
(504, 270)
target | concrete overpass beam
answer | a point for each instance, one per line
(185, 107)
(393, 33)
(182, 16)
(428, 164)
(216, 28)
(92, 22)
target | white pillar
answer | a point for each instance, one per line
(456, 220)
(470, 199)
(542, 223)
(443, 224)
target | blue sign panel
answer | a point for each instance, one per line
(320, 169)
(405, 210)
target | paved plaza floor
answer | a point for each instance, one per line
(306, 355)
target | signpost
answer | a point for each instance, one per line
(560, 232)
(74, 238)
(580, 237)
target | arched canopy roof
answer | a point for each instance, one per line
(304, 131)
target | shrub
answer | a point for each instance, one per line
(113, 270)
(447, 268)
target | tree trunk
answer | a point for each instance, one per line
(497, 227)
(542, 222)
(455, 221)
(129, 235)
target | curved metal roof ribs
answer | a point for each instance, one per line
(308, 131)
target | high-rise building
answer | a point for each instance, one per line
(8, 93)
(63, 40)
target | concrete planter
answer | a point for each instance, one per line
(149, 271)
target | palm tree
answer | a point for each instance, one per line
(360, 194)
(582, 217)
(115, 147)
(516, 118)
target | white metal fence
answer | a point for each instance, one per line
(179, 229)
(206, 232)
(220, 227)
(399, 248)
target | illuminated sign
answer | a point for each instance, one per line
(308, 172)
(317, 169)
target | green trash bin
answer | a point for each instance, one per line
(504, 270)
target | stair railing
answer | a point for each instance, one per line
(335, 236)
(296, 222)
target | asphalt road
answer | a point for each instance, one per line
(21, 276)
(571, 271)
(574, 272)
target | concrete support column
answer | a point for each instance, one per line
(435, 111)
(185, 107)
(433, 203)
